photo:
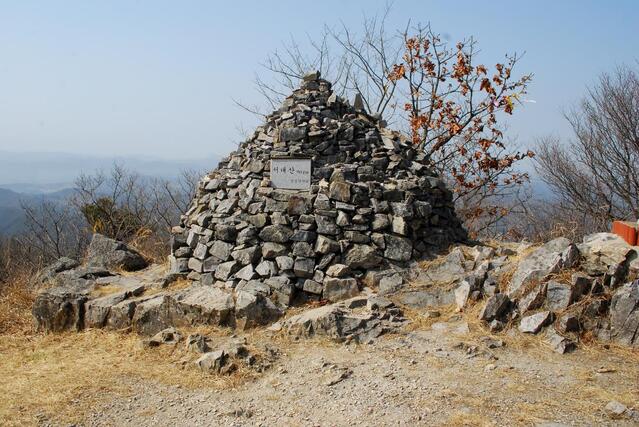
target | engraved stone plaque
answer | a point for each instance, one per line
(291, 173)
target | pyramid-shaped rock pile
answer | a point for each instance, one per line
(372, 203)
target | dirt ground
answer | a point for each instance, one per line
(441, 373)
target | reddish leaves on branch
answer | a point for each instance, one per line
(453, 107)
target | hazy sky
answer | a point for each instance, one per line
(157, 78)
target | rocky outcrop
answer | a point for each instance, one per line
(359, 319)
(547, 259)
(91, 297)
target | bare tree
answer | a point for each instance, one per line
(169, 199)
(52, 230)
(116, 204)
(432, 90)
(356, 63)
(594, 175)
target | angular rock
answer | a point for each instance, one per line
(340, 191)
(284, 262)
(390, 284)
(202, 305)
(221, 251)
(339, 289)
(108, 253)
(558, 343)
(197, 343)
(569, 323)
(304, 267)
(362, 256)
(212, 361)
(170, 336)
(227, 269)
(272, 250)
(59, 309)
(558, 296)
(246, 273)
(624, 315)
(338, 270)
(276, 233)
(534, 299)
(313, 287)
(398, 248)
(225, 232)
(547, 259)
(532, 324)
(496, 306)
(246, 256)
(303, 249)
(254, 310)
(266, 269)
(325, 245)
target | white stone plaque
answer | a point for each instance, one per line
(291, 173)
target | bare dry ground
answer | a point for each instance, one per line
(436, 372)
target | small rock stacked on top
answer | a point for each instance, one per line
(373, 203)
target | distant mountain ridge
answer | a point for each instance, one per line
(37, 176)
(32, 172)
(11, 214)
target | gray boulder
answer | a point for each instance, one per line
(550, 258)
(624, 315)
(558, 296)
(390, 284)
(60, 265)
(559, 343)
(339, 322)
(170, 336)
(534, 299)
(602, 250)
(426, 299)
(254, 310)
(59, 309)
(339, 289)
(398, 248)
(362, 256)
(533, 323)
(496, 306)
(212, 361)
(111, 254)
(201, 305)
(449, 270)
(276, 233)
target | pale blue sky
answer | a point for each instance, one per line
(157, 78)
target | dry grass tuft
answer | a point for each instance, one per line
(564, 276)
(503, 280)
(62, 376)
(421, 320)
(463, 419)
(102, 291)
(16, 299)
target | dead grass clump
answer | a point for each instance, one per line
(179, 284)
(16, 299)
(563, 276)
(463, 419)
(63, 376)
(503, 280)
(102, 291)
(150, 245)
(424, 319)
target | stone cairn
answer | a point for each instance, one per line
(373, 204)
